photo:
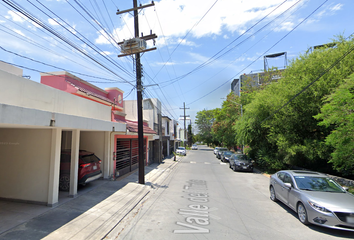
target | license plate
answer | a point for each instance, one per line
(94, 167)
(244, 167)
(350, 220)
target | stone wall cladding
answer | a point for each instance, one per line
(342, 181)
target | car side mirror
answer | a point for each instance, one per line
(288, 185)
(345, 188)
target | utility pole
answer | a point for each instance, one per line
(184, 116)
(136, 47)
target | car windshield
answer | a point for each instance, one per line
(90, 158)
(241, 157)
(180, 148)
(228, 153)
(321, 184)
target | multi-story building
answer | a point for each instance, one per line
(152, 117)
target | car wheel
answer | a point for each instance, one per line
(64, 182)
(229, 165)
(273, 197)
(302, 214)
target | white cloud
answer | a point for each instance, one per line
(53, 22)
(286, 26)
(107, 53)
(16, 17)
(336, 7)
(19, 32)
(174, 19)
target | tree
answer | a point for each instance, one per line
(225, 119)
(204, 121)
(291, 134)
(338, 111)
(190, 135)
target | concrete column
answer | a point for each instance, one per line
(74, 168)
(54, 168)
(168, 147)
(107, 156)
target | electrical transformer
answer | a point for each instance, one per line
(133, 45)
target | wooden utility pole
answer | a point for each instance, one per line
(184, 116)
(139, 87)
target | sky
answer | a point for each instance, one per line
(202, 45)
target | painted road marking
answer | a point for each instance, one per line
(197, 214)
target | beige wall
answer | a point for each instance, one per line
(11, 69)
(24, 161)
(93, 142)
(26, 93)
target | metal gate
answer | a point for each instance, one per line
(127, 155)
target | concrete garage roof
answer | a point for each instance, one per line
(20, 117)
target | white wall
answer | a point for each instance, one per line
(24, 161)
(26, 93)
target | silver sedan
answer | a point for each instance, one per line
(315, 197)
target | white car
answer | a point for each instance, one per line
(215, 150)
(181, 151)
(194, 147)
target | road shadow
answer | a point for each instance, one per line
(55, 217)
(328, 231)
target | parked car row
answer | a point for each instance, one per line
(315, 197)
(237, 161)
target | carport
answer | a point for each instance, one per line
(34, 119)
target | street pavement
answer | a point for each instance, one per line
(195, 197)
(94, 214)
(204, 199)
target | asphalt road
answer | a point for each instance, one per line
(203, 199)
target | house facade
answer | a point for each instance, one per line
(38, 120)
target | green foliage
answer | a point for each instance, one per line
(292, 135)
(305, 118)
(338, 112)
(204, 121)
(190, 135)
(226, 118)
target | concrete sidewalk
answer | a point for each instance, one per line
(93, 215)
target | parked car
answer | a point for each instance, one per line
(194, 147)
(225, 156)
(241, 162)
(89, 168)
(316, 198)
(215, 150)
(218, 153)
(181, 151)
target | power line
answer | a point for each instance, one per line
(87, 42)
(310, 84)
(196, 24)
(52, 31)
(31, 59)
(303, 20)
(230, 64)
(214, 58)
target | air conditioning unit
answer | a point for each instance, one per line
(133, 45)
